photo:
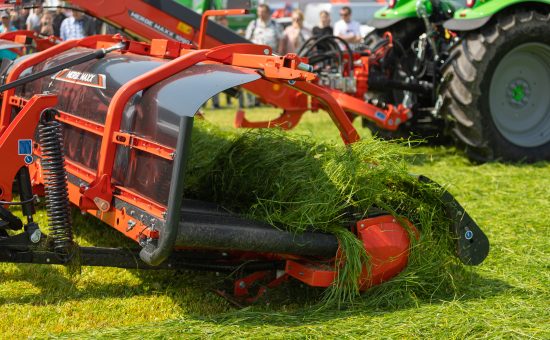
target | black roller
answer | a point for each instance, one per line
(209, 227)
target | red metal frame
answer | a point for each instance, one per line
(23, 35)
(213, 13)
(386, 242)
(293, 108)
(99, 194)
(87, 175)
(119, 14)
(388, 119)
(384, 239)
(336, 112)
(90, 42)
(21, 128)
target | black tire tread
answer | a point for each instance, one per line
(463, 92)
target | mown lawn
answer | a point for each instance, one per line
(507, 296)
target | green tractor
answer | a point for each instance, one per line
(414, 67)
(499, 89)
(488, 65)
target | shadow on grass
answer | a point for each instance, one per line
(290, 305)
(293, 305)
(50, 286)
(287, 306)
(193, 291)
(298, 304)
(424, 155)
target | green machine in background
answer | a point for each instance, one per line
(399, 10)
(236, 23)
(395, 12)
(421, 45)
(498, 92)
(488, 62)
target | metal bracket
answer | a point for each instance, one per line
(132, 141)
(472, 245)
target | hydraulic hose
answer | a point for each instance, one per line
(97, 54)
(304, 51)
(331, 39)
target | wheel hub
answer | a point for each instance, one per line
(518, 93)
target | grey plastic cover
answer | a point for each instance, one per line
(154, 113)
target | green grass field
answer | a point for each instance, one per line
(507, 296)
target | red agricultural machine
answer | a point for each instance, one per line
(99, 123)
(342, 79)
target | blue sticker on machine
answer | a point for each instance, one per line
(24, 147)
(28, 159)
(380, 115)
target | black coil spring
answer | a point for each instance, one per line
(55, 182)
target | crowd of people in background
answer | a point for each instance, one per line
(62, 23)
(265, 31)
(73, 24)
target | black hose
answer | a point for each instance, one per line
(317, 58)
(404, 54)
(97, 54)
(331, 44)
(335, 48)
(333, 41)
(379, 44)
(30, 200)
(350, 54)
(307, 42)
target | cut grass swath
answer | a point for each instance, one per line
(295, 184)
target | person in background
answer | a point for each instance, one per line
(76, 26)
(33, 20)
(6, 27)
(264, 30)
(58, 18)
(19, 18)
(222, 20)
(346, 28)
(294, 35)
(6, 24)
(324, 27)
(46, 26)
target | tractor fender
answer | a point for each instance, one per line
(466, 24)
(386, 17)
(469, 19)
(384, 23)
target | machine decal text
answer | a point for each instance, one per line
(82, 78)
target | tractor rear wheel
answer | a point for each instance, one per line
(498, 96)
